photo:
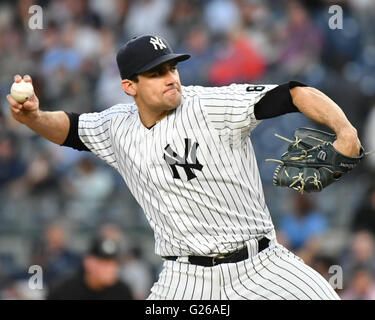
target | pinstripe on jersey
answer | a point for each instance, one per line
(219, 209)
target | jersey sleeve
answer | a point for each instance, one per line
(94, 130)
(277, 101)
(230, 109)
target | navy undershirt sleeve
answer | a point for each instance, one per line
(73, 140)
(277, 101)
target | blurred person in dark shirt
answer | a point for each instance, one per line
(360, 252)
(54, 255)
(364, 217)
(12, 164)
(97, 279)
(198, 43)
(298, 43)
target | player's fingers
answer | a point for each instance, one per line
(17, 78)
(15, 110)
(13, 102)
(27, 78)
(29, 105)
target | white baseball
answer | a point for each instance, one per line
(22, 91)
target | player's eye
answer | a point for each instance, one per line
(154, 74)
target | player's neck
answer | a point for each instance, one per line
(149, 119)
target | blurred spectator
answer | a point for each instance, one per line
(222, 16)
(259, 22)
(360, 252)
(134, 270)
(301, 230)
(364, 217)
(184, 15)
(13, 59)
(12, 163)
(111, 12)
(54, 255)
(197, 44)
(299, 42)
(147, 16)
(364, 13)
(98, 279)
(340, 45)
(137, 273)
(8, 268)
(35, 190)
(362, 285)
(108, 91)
(113, 232)
(238, 61)
(37, 178)
(87, 187)
(60, 53)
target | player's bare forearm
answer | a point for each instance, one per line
(52, 125)
(320, 108)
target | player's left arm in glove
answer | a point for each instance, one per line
(311, 163)
(317, 158)
(320, 108)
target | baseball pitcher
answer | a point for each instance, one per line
(186, 155)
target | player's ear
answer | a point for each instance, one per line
(129, 87)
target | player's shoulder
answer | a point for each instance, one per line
(227, 90)
(121, 109)
(117, 110)
(109, 115)
(191, 91)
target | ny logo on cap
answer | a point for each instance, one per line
(157, 42)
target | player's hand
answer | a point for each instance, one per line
(348, 143)
(24, 112)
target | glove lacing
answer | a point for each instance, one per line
(295, 143)
(301, 188)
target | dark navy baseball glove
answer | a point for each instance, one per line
(311, 163)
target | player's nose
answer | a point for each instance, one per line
(171, 77)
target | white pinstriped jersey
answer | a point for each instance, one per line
(194, 173)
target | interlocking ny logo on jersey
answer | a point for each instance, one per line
(174, 160)
(157, 42)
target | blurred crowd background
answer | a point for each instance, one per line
(53, 199)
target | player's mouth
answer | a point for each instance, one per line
(172, 90)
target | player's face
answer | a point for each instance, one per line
(160, 88)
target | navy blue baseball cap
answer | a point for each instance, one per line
(141, 54)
